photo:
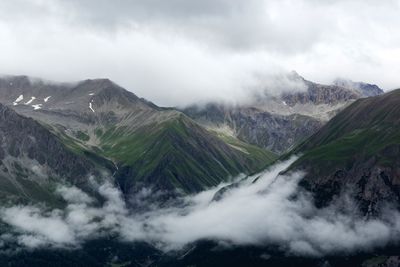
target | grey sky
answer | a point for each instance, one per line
(178, 51)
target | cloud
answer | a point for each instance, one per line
(271, 211)
(182, 52)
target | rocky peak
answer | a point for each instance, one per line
(366, 89)
(320, 94)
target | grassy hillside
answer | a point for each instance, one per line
(179, 154)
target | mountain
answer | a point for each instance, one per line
(358, 151)
(366, 89)
(277, 123)
(272, 131)
(149, 146)
(32, 160)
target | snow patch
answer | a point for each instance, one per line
(284, 103)
(46, 99)
(90, 106)
(91, 94)
(30, 101)
(21, 97)
(37, 106)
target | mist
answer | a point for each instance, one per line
(184, 52)
(273, 210)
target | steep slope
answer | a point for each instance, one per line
(150, 146)
(277, 123)
(32, 159)
(358, 150)
(178, 154)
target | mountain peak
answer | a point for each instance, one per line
(294, 76)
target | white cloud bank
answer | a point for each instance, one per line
(179, 52)
(261, 213)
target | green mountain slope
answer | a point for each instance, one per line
(178, 154)
(150, 146)
(358, 149)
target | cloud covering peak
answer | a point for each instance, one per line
(180, 52)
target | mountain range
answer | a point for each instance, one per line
(113, 134)
(280, 122)
(345, 135)
(138, 143)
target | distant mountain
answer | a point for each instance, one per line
(358, 150)
(149, 146)
(366, 89)
(277, 123)
(318, 94)
(261, 128)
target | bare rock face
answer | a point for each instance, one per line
(366, 89)
(318, 94)
(280, 122)
(274, 132)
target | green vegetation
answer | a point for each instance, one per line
(260, 157)
(181, 154)
(369, 128)
(82, 136)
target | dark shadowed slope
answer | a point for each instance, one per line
(32, 160)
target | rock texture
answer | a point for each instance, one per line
(274, 132)
(366, 89)
(277, 123)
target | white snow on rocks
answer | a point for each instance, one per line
(90, 106)
(30, 101)
(21, 97)
(37, 106)
(46, 99)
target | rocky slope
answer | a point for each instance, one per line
(357, 151)
(277, 123)
(32, 159)
(366, 89)
(149, 146)
(274, 132)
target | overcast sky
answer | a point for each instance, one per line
(180, 51)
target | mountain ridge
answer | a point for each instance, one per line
(98, 117)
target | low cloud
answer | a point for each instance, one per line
(271, 211)
(183, 52)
